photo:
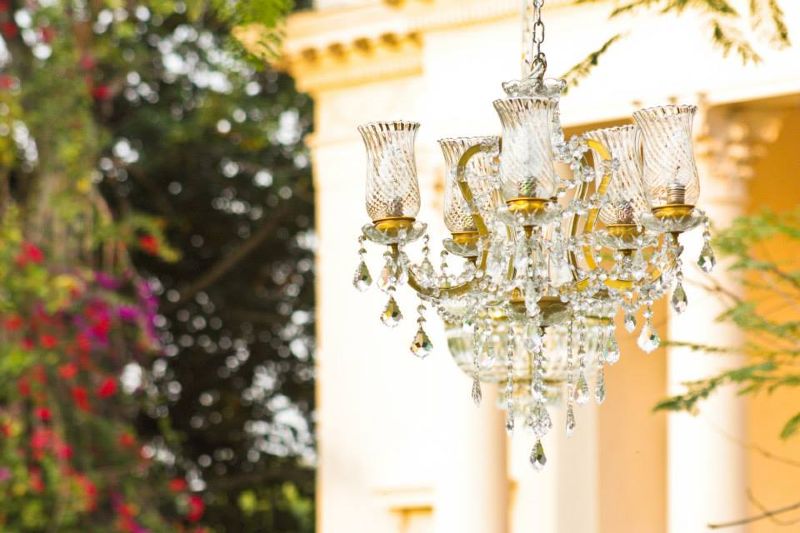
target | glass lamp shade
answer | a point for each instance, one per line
(670, 173)
(526, 161)
(625, 194)
(480, 177)
(392, 187)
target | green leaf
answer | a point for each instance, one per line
(791, 427)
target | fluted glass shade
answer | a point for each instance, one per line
(480, 176)
(670, 172)
(625, 194)
(526, 162)
(392, 187)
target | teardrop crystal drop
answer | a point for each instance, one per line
(581, 389)
(387, 278)
(421, 345)
(538, 458)
(477, 394)
(510, 423)
(391, 314)
(541, 423)
(612, 350)
(362, 278)
(630, 322)
(600, 386)
(648, 339)
(679, 300)
(707, 261)
(570, 420)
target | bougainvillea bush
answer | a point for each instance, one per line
(69, 389)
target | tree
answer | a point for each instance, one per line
(152, 104)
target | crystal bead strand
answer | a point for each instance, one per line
(706, 261)
(362, 279)
(679, 300)
(509, 390)
(570, 422)
(581, 394)
(540, 420)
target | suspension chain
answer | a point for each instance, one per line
(539, 64)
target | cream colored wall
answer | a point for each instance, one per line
(401, 447)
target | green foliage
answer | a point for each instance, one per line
(722, 19)
(772, 348)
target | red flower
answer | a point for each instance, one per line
(101, 92)
(44, 414)
(6, 81)
(41, 438)
(27, 344)
(68, 370)
(196, 508)
(149, 244)
(87, 62)
(24, 387)
(81, 398)
(29, 253)
(47, 33)
(107, 388)
(4, 4)
(37, 485)
(101, 328)
(127, 440)
(84, 344)
(178, 484)
(9, 29)
(64, 451)
(48, 342)
(13, 323)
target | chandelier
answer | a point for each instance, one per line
(550, 240)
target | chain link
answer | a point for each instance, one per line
(539, 61)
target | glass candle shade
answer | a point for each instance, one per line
(480, 176)
(526, 161)
(670, 173)
(625, 194)
(392, 187)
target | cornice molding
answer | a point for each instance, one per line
(349, 45)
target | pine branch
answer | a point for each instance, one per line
(582, 69)
(756, 518)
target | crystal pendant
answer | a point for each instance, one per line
(387, 277)
(531, 299)
(581, 389)
(570, 420)
(630, 322)
(648, 338)
(510, 422)
(612, 350)
(707, 261)
(421, 346)
(362, 278)
(477, 394)
(541, 422)
(391, 314)
(679, 300)
(538, 458)
(600, 386)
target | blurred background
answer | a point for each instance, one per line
(181, 190)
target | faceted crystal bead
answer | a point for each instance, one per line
(362, 278)
(538, 458)
(387, 277)
(581, 389)
(421, 346)
(648, 339)
(600, 386)
(612, 350)
(679, 300)
(542, 423)
(477, 394)
(531, 299)
(570, 420)
(707, 261)
(630, 322)
(391, 314)
(510, 422)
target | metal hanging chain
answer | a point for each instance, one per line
(539, 64)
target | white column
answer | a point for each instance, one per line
(472, 485)
(707, 464)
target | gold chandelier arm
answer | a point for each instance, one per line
(466, 191)
(440, 292)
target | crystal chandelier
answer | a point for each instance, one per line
(547, 258)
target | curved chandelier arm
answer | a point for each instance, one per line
(591, 218)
